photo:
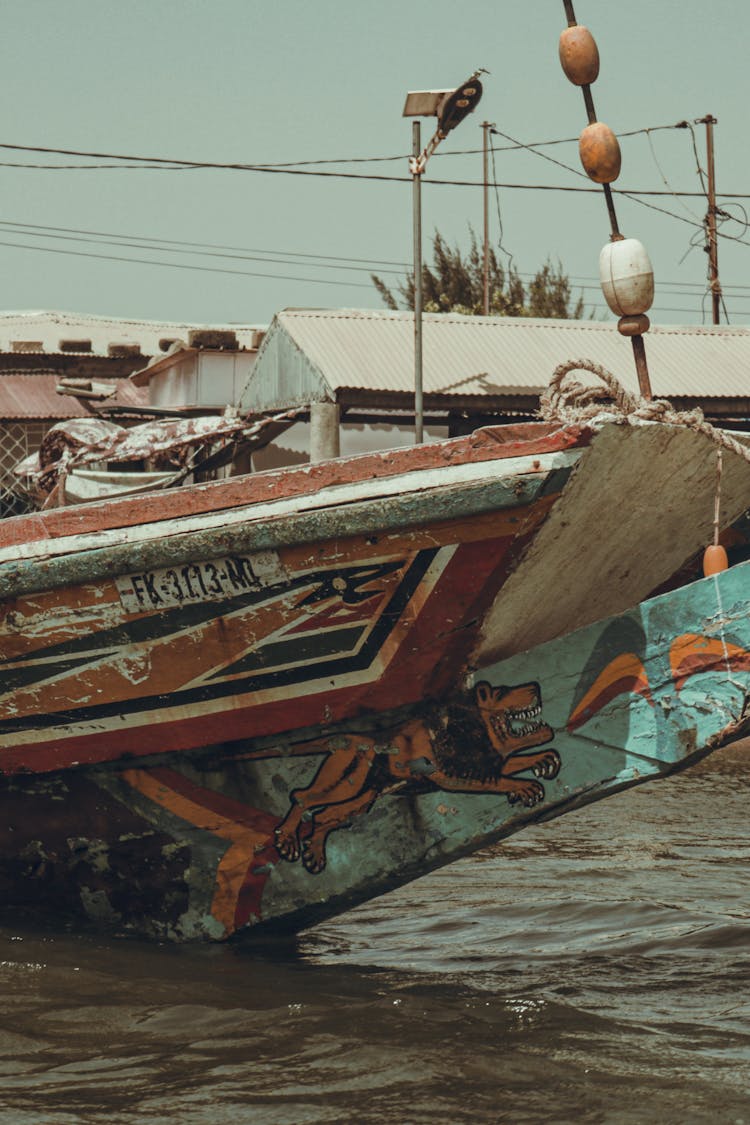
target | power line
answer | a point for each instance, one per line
(501, 229)
(516, 145)
(275, 277)
(172, 248)
(175, 165)
(627, 194)
(172, 164)
(136, 241)
(542, 155)
(663, 287)
(183, 266)
(660, 170)
(201, 245)
(280, 277)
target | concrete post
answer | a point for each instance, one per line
(324, 430)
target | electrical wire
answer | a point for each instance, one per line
(501, 229)
(171, 164)
(301, 168)
(701, 172)
(543, 155)
(516, 145)
(175, 165)
(173, 249)
(137, 239)
(285, 277)
(704, 241)
(665, 181)
(634, 196)
(201, 245)
(134, 241)
(182, 265)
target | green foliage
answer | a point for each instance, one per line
(455, 283)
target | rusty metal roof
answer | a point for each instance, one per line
(34, 396)
(53, 333)
(312, 354)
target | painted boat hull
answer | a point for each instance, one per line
(180, 637)
(287, 602)
(254, 704)
(211, 846)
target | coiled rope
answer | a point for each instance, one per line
(566, 401)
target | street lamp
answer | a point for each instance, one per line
(450, 107)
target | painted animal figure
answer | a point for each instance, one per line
(474, 747)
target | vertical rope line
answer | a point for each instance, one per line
(717, 496)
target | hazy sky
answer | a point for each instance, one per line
(290, 80)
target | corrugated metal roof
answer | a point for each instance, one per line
(40, 331)
(33, 396)
(472, 355)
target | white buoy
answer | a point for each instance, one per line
(627, 277)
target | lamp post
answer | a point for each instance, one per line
(450, 107)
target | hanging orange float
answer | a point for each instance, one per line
(599, 151)
(579, 55)
(714, 560)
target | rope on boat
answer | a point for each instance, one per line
(717, 497)
(569, 402)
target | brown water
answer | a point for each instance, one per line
(595, 969)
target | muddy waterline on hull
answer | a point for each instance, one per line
(595, 969)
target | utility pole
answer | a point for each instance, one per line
(713, 247)
(486, 126)
(416, 179)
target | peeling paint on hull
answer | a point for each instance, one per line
(174, 635)
(212, 845)
(236, 715)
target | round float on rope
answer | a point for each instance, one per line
(627, 277)
(599, 151)
(714, 560)
(579, 55)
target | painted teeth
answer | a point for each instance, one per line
(528, 713)
(518, 723)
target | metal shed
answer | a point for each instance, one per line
(476, 368)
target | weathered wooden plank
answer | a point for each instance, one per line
(639, 505)
(529, 439)
(424, 481)
(368, 517)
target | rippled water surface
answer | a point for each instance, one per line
(594, 969)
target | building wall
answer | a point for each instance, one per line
(205, 378)
(284, 377)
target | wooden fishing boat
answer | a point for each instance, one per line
(256, 702)
(203, 688)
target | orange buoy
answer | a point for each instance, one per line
(579, 55)
(714, 560)
(599, 151)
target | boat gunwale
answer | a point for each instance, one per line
(486, 444)
(373, 516)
